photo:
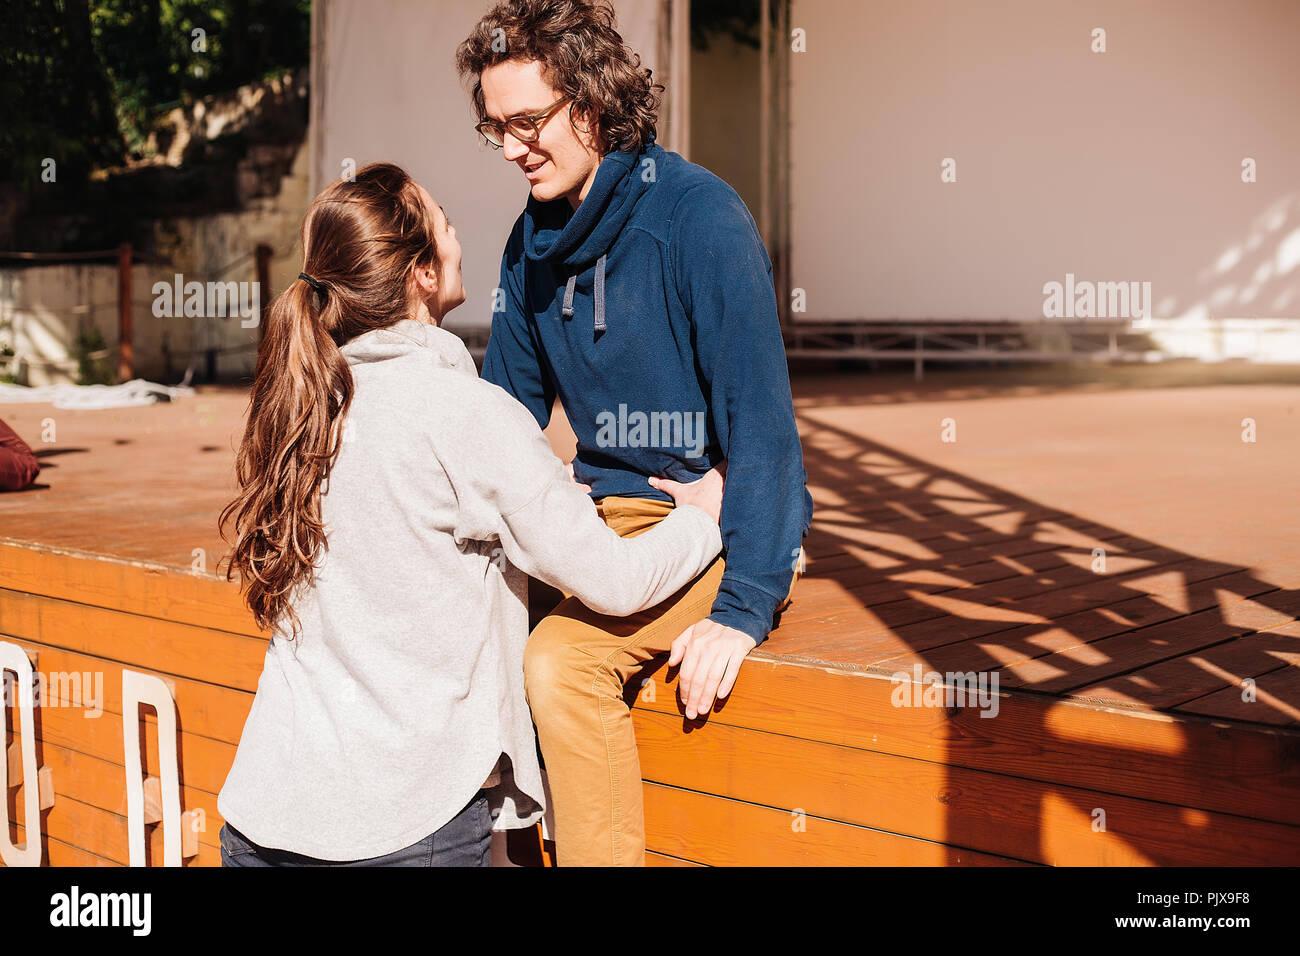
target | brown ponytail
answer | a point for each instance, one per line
(362, 240)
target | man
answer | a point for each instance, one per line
(636, 287)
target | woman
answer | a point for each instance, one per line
(391, 505)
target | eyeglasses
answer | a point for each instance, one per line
(522, 127)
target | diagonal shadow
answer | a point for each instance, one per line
(914, 563)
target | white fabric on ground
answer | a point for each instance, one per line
(92, 397)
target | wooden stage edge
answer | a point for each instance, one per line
(806, 764)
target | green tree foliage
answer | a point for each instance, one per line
(55, 101)
(161, 53)
(82, 80)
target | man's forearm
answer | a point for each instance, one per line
(764, 519)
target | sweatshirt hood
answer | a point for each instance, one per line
(570, 238)
(405, 337)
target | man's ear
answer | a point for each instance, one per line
(587, 126)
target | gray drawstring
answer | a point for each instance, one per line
(600, 294)
(567, 310)
(568, 296)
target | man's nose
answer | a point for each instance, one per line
(512, 148)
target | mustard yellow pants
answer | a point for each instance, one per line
(576, 664)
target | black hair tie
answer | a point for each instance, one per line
(312, 282)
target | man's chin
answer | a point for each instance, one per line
(547, 191)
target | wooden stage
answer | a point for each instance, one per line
(1147, 711)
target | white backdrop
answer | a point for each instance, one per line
(1114, 166)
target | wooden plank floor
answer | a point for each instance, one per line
(985, 552)
(1121, 680)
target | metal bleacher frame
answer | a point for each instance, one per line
(1043, 340)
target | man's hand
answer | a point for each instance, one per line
(710, 655)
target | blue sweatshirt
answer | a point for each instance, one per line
(651, 310)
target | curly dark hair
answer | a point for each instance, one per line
(581, 54)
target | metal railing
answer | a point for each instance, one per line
(917, 341)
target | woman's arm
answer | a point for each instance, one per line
(559, 538)
(510, 486)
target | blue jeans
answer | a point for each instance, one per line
(464, 840)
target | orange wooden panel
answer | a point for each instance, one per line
(203, 762)
(84, 826)
(720, 832)
(1230, 768)
(661, 859)
(997, 814)
(102, 784)
(58, 853)
(185, 650)
(133, 586)
(208, 710)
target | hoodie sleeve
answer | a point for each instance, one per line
(724, 279)
(513, 358)
(510, 487)
(18, 466)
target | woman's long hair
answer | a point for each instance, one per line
(362, 239)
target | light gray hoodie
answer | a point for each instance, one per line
(387, 714)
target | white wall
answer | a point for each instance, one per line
(44, 308)
(389, 91)
(1116, 166)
